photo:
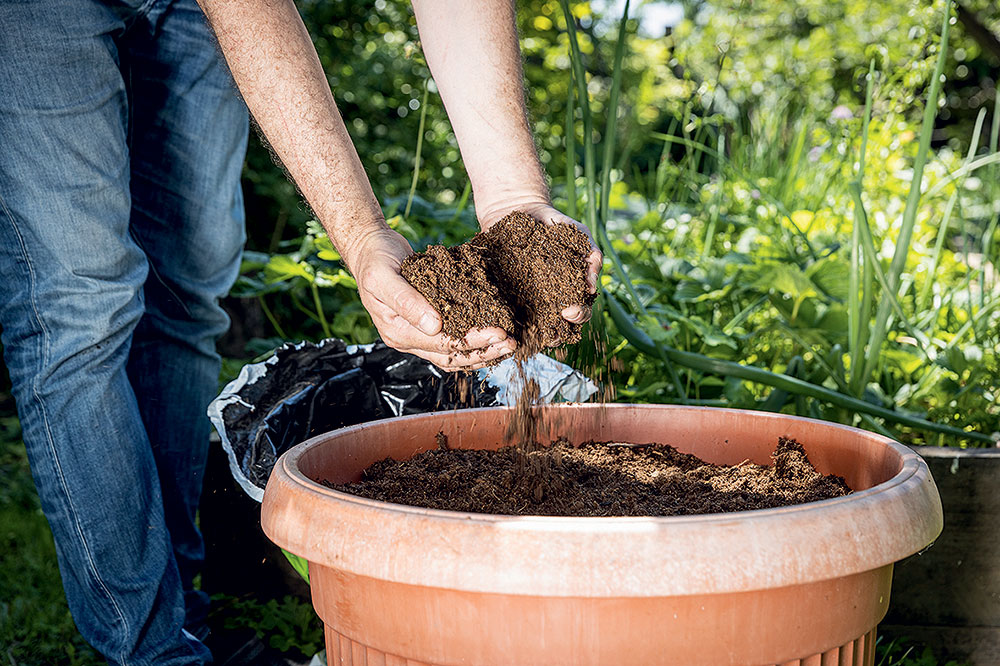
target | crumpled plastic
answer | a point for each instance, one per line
(306, 389)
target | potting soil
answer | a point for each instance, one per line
(594, 479)
(518, 275)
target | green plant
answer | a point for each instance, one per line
(767, 279)
(288, 625)
(903, 652)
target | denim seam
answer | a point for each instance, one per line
(45, 419)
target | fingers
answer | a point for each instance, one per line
(479, 347)
(576, 314)
(405, 301)
(479, 338)
(595, 261)
(400, 334)
(455, 362)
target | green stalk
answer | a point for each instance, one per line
(962, 172)
(912, 204)
(702, 363)
(271, 318)
(416, 157)
(857, 322)
(995, 128)
(580, 78)
(992, 228)
(302, 308)
(570, 151)
(946, 218)
(611, 128)
(321, 316)
(463, 201)
(871, 258)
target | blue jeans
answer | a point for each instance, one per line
(121, 224)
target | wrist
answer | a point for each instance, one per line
(491, 208)
(351, 237)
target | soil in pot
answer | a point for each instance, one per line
(594, 479)
(518, 275)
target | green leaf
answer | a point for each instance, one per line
(655, 330)
(785, 279)
(282, 267)
(712, 335)
(832, 275)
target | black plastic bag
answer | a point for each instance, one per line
(307, 389)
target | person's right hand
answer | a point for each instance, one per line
(404, 318)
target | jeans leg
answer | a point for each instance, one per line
(189, 140)
(69, 303)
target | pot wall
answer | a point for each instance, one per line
(784, 625)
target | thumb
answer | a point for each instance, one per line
(408, 303)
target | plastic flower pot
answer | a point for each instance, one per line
(805, 584)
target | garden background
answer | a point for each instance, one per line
(798, 204)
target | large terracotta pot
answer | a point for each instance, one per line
(797, 585)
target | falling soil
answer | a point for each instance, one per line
(518, 275)
(594, 479)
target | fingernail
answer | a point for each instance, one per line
(497, 338)
(428, 324)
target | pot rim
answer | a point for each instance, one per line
(290, 460)
(909, 497)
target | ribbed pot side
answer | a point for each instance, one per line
(797, 585)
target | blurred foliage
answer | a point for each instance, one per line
(725, 62)
(738, 134)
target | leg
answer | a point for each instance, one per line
(70, 301)
(189, 139)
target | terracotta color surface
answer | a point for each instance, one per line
(804, 583)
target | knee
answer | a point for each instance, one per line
(54, 326)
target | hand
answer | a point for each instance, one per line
(404, 318)
(546, 213)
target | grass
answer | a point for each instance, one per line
(35, 624)
(36, 628)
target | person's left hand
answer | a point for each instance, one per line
(546, 213)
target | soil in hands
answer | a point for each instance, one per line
(518, 275)
(595, 479)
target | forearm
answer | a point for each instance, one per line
(473, 53)
(280, 77)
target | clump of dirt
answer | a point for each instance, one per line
(519, 275)
(594, 479)
(456, 283)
